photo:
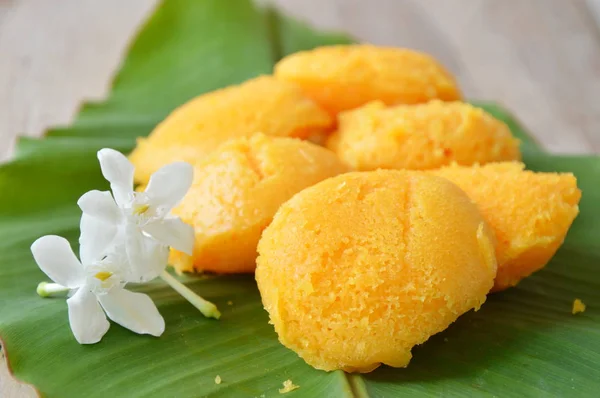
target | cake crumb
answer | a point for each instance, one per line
(218, 379)
(578, 306)
(287, 387)
(230, 302)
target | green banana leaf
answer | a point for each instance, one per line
(524, 342)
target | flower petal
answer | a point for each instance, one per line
(134, 311)
(86, 317)
(117, 170)
(54, 256)
(96, 238)
(169, 184)
(172, 232)
(100, 204)
(147, 258)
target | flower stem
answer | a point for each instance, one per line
(46, 289)
(207, 308)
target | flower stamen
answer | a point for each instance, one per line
(140, 209)
(103, 275)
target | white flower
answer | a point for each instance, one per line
(97, 285)
(139, 219)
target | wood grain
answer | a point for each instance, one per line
(54, 54)
(540, 58)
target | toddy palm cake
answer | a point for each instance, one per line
(340, 78)
(237, 190)
(358, 269)
(198, 127)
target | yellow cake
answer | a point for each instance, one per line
(199, 126)
(530, 213)
(237, 190)
(345, 77)
(421, 137)
(356, 270)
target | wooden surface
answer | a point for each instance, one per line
(540, 58)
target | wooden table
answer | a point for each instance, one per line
(540, 58)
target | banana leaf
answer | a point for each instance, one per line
(523, 342)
